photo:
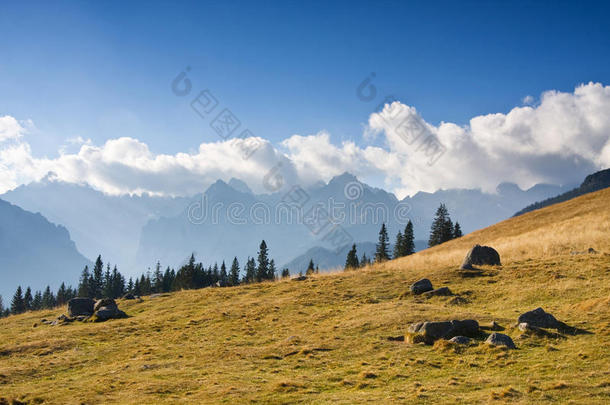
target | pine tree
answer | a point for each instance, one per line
(310, 268)
(157, 281)
(37, 302)
(262, 271)
(442, 227)
(224, 277)
(408, 240)
(381, 250)
(250, 276)
(17, 304)
(97, 278)
(168, 279)
(364, 261)
(1, 307)
(118, 283)
(107, 283)
(285, 273)
(272, 270)
(234, 273)
(62, 294)
(351, 262)
(48, 299)
(398, 246)
(457, 230)
(27, 299)
(130, 285)
(84, 285)
(136, 288)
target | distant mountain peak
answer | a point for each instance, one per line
(239, 185)
(344, 178)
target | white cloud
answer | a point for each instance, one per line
(528, 100)
(563, 138)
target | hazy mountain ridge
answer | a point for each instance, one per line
(137, 231)
(593, 182)
(171, 240)
(35, 252)
(98, 223)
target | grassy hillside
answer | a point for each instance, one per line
(333, 337)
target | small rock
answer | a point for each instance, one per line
(500, 339)
(457, 301)
(538, 317)
(460, 340)
(443, 291)
(525, 327)
(421, 286)
(300, 278)
(592, 251)
(80, 306)
(481, 255)
(129, 296)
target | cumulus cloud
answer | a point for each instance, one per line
(563, 138)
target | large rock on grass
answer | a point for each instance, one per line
(432, 331)
(80, 306)
(106, 308)
(421, 286)
(500, 339)
(481, 255)
(538, 317)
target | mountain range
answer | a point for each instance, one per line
(34, 252)
(228, 219)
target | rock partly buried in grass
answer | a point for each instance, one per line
(443, 291)
(106, 308)
(481, 255)
(457, 301)
(432, 331)
(421, 286)
(500, 339)
(460, 340)
(80, 306)
(538, 317)
(129, 296)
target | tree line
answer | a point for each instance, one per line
(101, 282)
(442, 230)
(106, 283)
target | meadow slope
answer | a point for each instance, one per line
(336, 338)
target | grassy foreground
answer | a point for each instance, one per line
(335, 337)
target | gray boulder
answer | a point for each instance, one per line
(105, 313)
(106, 308)
(500, 339)
(104, 302)
(443, 291)
(460, 340)
(421, 286)
(538, 317)
(129, 296)
(432, 331)
(481, 255)
(80, 306)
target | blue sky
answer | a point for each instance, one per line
(103, 69)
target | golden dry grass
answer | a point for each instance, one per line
(335, 338)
